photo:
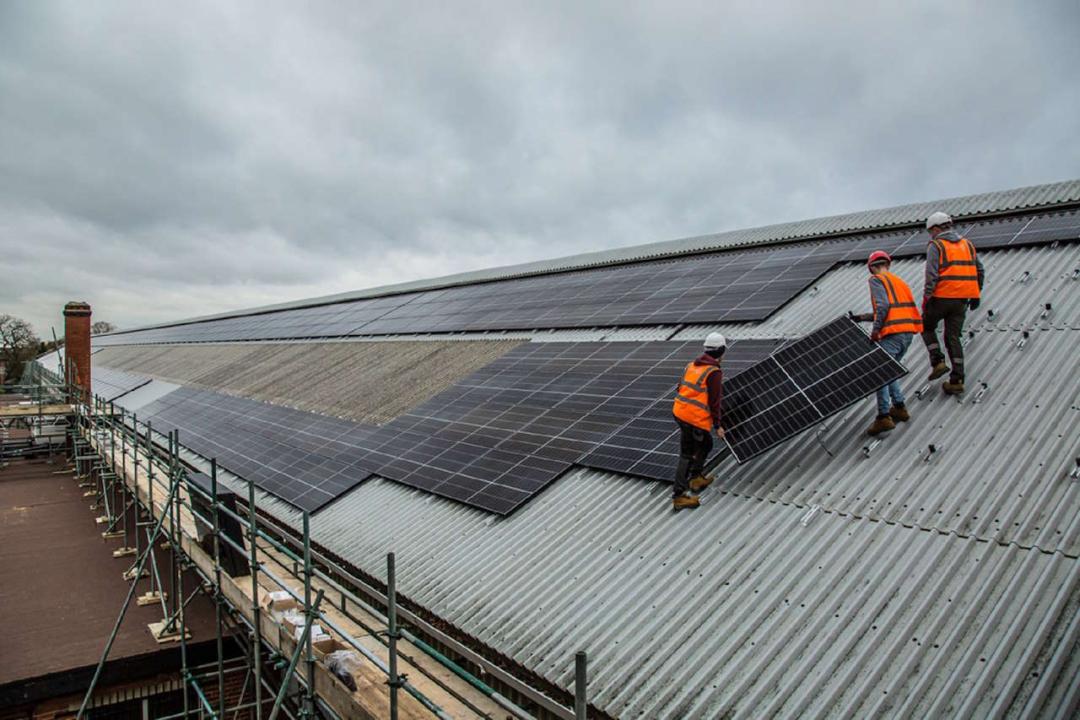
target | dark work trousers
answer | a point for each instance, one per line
(694, 448)
(952, 311)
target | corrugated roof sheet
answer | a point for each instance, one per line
(815, 581)
(744, 608)
(1035, 196)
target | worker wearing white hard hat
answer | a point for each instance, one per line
(697, 409)
(953, 284)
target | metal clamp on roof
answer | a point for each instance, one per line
(1022, 341)
(991, 313)
(1076, 274)
(931, 451)
(1075, 474)
(1025, 276)
(983, 387)
(1046, 311)
(870, 446)
(922, 391)
(806, 519)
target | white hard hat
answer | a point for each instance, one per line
(715, 341)
(938, 218)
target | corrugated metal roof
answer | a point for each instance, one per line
(740, 609)
(1034, 196)
(815, 581)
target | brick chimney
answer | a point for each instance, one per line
(77, 346)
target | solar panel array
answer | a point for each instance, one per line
(746, 285)
(504, 433)
(734, 286)
(492, 440)
(110, 384)
(304, 458)
(727, 286)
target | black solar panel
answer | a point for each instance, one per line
(732, 286)
(298, 456)
(802, 384)
(110, 384)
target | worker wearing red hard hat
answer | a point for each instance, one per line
(697, 412)
(896, 321)
(954, 280)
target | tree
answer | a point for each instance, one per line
(18, 343)
(101, 327)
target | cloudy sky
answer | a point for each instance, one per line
(163, 160)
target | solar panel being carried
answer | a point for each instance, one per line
(780, 393)
(802, 384)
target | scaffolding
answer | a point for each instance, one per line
(149, 498)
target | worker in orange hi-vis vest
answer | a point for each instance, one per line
(896, 321)
(954, 280)
(697, 411)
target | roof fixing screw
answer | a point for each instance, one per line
(1023, 340)
(930, 451)
(1046, 311)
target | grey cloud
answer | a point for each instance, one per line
(231, 154)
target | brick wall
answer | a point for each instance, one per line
(77, 345)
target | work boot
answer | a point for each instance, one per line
(882, 423)
(899, 413)
(699, 483)
(685, 500)
(939, 369)
(953, 387)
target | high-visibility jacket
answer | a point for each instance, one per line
(692, 398)
(903, 315)
(957, 273)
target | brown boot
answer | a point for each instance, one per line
(882, 423)
(953, 387)
(899, 413)
(686, 501)
(699, 483)
(938, 370)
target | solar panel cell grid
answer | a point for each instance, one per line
(803, 383)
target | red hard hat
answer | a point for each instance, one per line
(878, 256)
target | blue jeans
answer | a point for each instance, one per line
(896, 345)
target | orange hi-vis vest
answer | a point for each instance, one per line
(957, 276)
(692, 399)
(903, 315)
